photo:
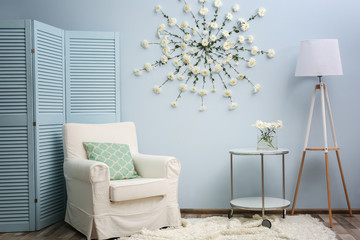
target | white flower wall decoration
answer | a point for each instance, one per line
(207, 53)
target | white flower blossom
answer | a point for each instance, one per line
(196, 70)
(279, 124)
(213, 38)
(138, 72)
(172, 22)
(271, 53)
(205, 32)
(229, 16)
(171, 76)
(204, 42)
(186, 59)
(233, 106)
(217, 3)
(164, 42)
(251, 62)
(183, 46)
(176, 63)
(187, 37)
(254, 50)
(236, 8)
(184, 25)
(217, 68)
(214, 25)
(241, 39)
(156, 89)
(233, 82)
(166, 50)
(158, 8)
(193, 89)
(192, 51)
(174, 104)
(148, 67)
(225, 33)
(241, 20)
(202, 108)
(240, 76)
(180, 77)
(201, 1)
(183, 87)
(210, 61)
(244, 26)
(205, 72)
(257, 88)
(187, 8)
(203, 92)
(226, 45)
(261, 12)
(164, 59)
(191, 66)
(194, 30)
(213, 90)
(161, 27)
(227, 93)
(204, 11)
(250, 39)
(145, 44)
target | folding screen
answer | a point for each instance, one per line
(36, 62)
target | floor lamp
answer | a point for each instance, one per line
(318, 58)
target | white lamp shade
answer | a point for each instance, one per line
(319, 57)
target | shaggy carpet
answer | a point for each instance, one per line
(299, 227)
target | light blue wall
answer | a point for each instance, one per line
(201, 140)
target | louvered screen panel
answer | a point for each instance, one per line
(12, 71)
(49, 78)
(14, 177)
(50, 72)
(51, 178)
(92, 77)
(16, 151)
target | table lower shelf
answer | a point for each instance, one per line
(255, 203)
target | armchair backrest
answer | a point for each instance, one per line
(74, 134)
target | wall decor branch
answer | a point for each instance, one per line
(208, 52)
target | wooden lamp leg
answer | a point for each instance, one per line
(298, 183)
(343, 180)
(328, 188)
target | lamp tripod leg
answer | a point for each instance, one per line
(343, 180)
(328, 188)
(298, 182)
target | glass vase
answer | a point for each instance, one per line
(267, 142)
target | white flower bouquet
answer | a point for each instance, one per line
(267, 138)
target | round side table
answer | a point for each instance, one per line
(258, 203)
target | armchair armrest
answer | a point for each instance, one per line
(86, 170)
(153, 166)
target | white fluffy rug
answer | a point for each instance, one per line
(299, 227)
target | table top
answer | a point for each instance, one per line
(255, 151)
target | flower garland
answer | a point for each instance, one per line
(205, 51)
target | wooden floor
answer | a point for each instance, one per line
(346, 228)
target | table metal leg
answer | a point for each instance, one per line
(283, 172)
(262, 186)
(231, 170)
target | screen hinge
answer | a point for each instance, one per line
(34, 124)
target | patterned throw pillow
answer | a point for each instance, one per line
(116, 156)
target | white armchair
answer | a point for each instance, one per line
(100, 208)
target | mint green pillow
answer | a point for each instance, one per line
(116, 156)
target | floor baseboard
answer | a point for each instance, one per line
(238, 211)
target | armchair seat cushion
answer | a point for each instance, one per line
(137, 188)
